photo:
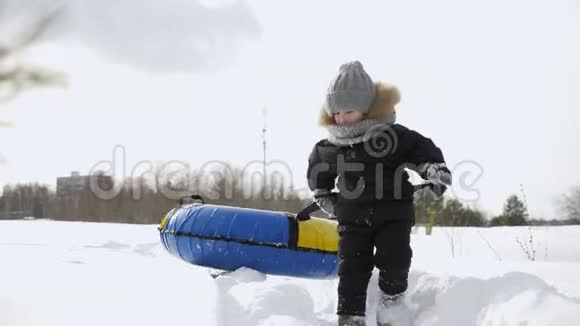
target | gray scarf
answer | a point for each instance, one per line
(358, 132)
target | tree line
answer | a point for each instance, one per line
(430, 210)
(140, 201)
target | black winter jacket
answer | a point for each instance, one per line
(371, 175)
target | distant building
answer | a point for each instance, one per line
(76, 183)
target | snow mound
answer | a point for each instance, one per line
(249, 298)
(514, 298)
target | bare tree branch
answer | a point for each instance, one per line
(36, 30)
(497, 255)
(16, 78)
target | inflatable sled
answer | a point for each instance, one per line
(271, 242)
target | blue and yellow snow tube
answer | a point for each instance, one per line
(271, 242)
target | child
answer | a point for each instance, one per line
(368, 153)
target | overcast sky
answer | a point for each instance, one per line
(495, 84)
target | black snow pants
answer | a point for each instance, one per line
(362, 229)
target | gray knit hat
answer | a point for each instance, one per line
(352, 89)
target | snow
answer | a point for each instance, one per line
(69, 273)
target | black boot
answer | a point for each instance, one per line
(392, 311)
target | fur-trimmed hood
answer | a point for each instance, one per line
(386, 98)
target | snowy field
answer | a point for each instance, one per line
(72, 273)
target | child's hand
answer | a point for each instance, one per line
(437, 189)
(325, 199)
(436, 173)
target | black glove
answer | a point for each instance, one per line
(436, 173)
(437, 189)
(304, 214)
(325, 199)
